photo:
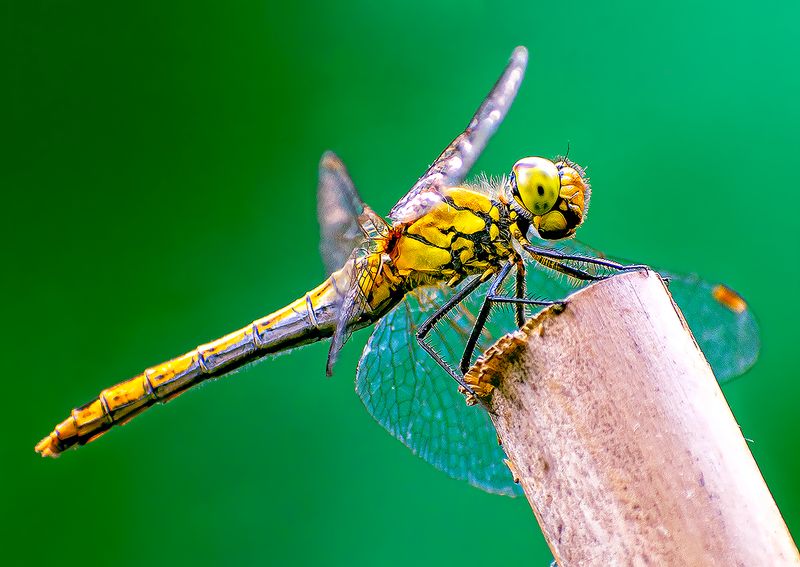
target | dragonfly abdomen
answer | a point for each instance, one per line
(306, 320)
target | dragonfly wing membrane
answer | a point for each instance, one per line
(720, 320)
(455, 162)
(339, 208)
(409, 395)
(727, 334)
(350, 306)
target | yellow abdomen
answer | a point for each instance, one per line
(308, 319)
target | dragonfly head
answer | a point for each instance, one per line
(554, 195)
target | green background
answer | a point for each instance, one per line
(159, 190)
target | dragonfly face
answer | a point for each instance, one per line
(415, 276)
(555, 195)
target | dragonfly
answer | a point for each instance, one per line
(435, 280)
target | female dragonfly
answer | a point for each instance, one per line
(416, 277)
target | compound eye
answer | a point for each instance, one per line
(537, 184)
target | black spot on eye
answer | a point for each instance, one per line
(540, 190)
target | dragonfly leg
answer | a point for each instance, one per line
(425, 328)
(545, 253)
(483, 314)
(547, 257)
(519, 291)
(564, 268)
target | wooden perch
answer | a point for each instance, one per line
(622, 440)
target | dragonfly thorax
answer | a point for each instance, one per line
(553, 195)
(466, 233)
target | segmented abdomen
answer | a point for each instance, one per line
(308, 319)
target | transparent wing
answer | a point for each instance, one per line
(417, 402)
(719, 318)
(338, 209)
(454, 163)
(349, 229)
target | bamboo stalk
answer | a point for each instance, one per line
(622, 440)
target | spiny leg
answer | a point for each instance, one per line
(555, 260)
(549, 258)
(561, 257)
(519, 291)
(483, 314)
(563, 268)
(426, 327)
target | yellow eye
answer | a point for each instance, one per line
(535, 184)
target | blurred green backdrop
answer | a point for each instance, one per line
(159, 187)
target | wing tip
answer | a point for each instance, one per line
(729, 297)
(520, 54)
(329, 159)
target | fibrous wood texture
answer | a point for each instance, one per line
(622, 440)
